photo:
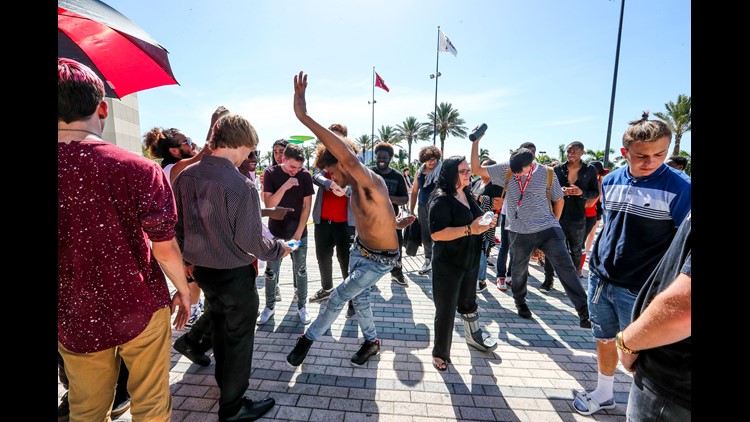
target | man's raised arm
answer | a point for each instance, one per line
(476, 165)
(335, 145)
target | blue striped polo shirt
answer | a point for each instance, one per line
(641, 216)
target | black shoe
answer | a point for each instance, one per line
(251, 410)
(399, 278)
(350, 311)
(547, 285)
(320, 296)
(298, 354)
(120, 406)
(523, 310)
(583, 317)
(369, 348)
(63, 410)
(191, 352)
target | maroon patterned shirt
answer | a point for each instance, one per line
(111, 203)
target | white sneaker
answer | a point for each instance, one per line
(265, 315)
(303, 316)
(426, 267)
(501, 284)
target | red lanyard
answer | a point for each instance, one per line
(523, 188)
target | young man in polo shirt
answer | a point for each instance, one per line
(644, 203)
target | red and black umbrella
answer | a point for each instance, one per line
(119, 51)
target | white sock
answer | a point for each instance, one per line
(604, 388)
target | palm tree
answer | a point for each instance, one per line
(561, 148)
(598, 155)
(677, 118)
(448, 123)
(309, 151)
(388, 134)
(365, 144)
(483, 154)
(689, 168)
(411, 130)
(266, 159)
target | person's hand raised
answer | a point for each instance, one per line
(300, 86)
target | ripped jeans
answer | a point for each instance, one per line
(299, 268)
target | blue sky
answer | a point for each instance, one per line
(533, 70)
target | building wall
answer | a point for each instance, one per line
(123, 127)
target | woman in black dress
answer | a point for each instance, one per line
(454, 223)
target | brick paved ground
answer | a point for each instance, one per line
(531, 376)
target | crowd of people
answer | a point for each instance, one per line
(126, 225)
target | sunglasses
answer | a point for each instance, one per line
(187, 141)
(464, 172)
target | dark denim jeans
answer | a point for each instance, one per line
(502, 269)
(552, 242)
(645, 405)
(299, 271)
(575, 238)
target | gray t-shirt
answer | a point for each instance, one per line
(534, 214)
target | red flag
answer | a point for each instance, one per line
(380, 83)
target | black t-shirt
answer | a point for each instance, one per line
(274, 177)
(448, 211)
(667, 369)
(395, 183)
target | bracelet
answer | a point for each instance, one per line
(468, 230)
(621, 345)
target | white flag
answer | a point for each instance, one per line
(446, 44)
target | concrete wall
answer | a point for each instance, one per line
(123, 127)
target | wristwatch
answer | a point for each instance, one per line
(621, 345)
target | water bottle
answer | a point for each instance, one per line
(294, 244)
(473, 136)
(486, 218)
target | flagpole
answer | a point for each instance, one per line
(372, 134)
(436, 75)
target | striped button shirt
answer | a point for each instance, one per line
(533, 215)
(218, 217)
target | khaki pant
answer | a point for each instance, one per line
(92, 376)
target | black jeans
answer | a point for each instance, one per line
(327, 236)
(552, 242)
(575, 238)
(233, 300)
(398, 270)
(424, 231)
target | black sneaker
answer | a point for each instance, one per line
(350, 311)
(63, 410)
(182, 345)
(547, 285)
(523, 310)
(583, 317)
(320, 296)
(367, 350)
(298, 354)
(399, 278)
(481, 286)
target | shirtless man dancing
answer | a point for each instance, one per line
(376, 249)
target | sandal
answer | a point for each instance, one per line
(586, 405)
(440, 366)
